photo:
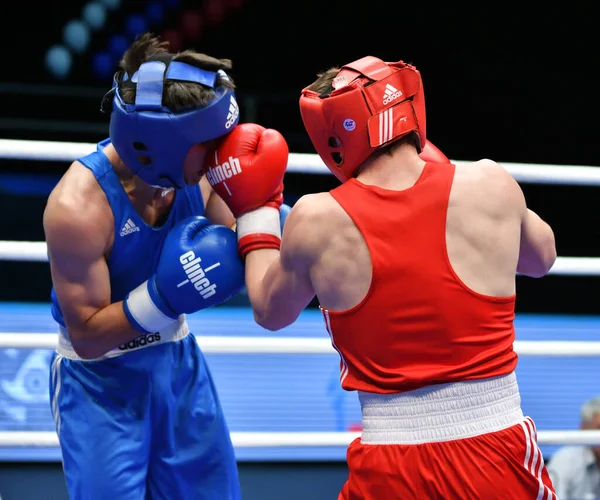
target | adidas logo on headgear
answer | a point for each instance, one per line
(391, 94)
(233, 112)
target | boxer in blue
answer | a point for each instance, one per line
(137, 239)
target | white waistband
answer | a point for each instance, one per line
(175, 331)
(441, 412)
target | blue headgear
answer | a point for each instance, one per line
(152, 140)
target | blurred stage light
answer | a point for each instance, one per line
(58, 61)
(174, 40)
(190, 25)
(135, 25)
(155, 12)
(171, 4)
(117, 45)
(76, 35)
(104, 65)
(94, 14)
(213, 11)
(233, 4)
(112, 4)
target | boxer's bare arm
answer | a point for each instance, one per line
(215, 209)
(537, 252)
(78, 227)
(278, 282)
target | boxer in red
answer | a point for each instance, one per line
(413, 260)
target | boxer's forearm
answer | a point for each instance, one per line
(105, 330)
(260, 281)
(278, 293)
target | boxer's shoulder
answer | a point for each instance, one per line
(78, 189)
(77, 207)
(313, 220)
(317, 210)
(485, 180)
(484, 171)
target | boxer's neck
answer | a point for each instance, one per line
(397, 168)
(153, 204)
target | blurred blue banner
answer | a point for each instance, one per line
(293, 392)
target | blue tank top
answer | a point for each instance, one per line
(137, 246)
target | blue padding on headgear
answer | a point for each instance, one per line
(150, 131)
(182, 71)
(150, 81)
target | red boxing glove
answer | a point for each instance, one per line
(246, 170)
(432, 154)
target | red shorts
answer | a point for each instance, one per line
(501, 465)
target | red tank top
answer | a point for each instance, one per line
(419, 324)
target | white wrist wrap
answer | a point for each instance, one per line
(263, 220)
(144, 311)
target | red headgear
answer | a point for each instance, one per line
(373, 104)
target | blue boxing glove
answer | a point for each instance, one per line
(199, 267)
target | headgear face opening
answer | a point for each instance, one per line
(152, 140)
(373, 104)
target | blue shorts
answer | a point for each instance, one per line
(144, 425)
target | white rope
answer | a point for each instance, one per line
(36, 251)
(303, 162)
(30, 251)
(294, 439)
(576, 266)
(303, 345)
(44, 150)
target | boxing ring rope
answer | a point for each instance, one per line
(300, 345)
(292, 439)
(303, 345)
(304, 163)
(36, 251)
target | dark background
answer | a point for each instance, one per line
(510, 82)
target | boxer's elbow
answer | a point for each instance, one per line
(269, 321)
(537, 262)
(83, 346)
(537, 253)
(269, 310)
(274, 318)
(548, 259)
(271, 326)
(85, 350)
(275, 298)
(536, 268)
